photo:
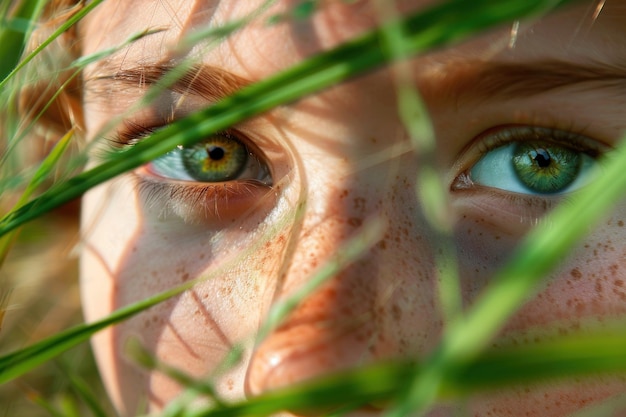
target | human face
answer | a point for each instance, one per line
(328, 166)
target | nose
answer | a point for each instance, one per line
(368, 310)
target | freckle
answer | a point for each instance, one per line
(355, 222)
(580, 307)
(185, 277)
(154, 274)
(497, 237)
(620, 223)
(359, 203)
(598, 286)
(382, 245)
(396, 312)
(619, 283)
(575, 273)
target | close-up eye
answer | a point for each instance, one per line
(220, 158)
(536, 160)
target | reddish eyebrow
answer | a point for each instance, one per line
(489, 79)
(206, 81)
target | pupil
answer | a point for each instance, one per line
(542, 157)
(215, 153)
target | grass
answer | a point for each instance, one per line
(40, 342)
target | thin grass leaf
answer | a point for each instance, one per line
(223, 31)
(80, 14)
(430, 189)
(17, 363)
(69, 406)
(14, 32)
(42, 173)
(577, 355)
(371, 233)
(85, 60)
(21, 361)
(86, 395)
(179, 405)
(149, 362)
(38, 399)
(438, 26)
(5, 298)
(538, 254)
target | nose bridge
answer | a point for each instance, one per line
(337, 314)
(351, 318)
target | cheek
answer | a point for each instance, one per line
(588, 285)
(129, 256)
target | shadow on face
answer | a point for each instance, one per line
(338, 160)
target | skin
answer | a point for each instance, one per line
(338, 159)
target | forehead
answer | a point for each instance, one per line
(591, 28)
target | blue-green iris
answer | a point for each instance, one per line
(546, 169)
(221, 158)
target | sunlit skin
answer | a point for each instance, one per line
(338, 160)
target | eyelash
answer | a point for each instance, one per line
(569, 137)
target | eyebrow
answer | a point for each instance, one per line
(488, 80)
(206, 81)
(477, 80)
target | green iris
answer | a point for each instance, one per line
(546, 169)
(220, 158)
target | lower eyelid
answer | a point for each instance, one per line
(510, 213)
(213, 204)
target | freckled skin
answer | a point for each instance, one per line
(340, 158)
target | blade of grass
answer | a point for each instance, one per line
(21, 361)
(17, 363)
(438, 26)
(86, 395)
(38, 399)
(430, 188)
(538, 254)
(80, 14)
(43, 172)
(149, 362)
(15, 31)
(371, 233)
(576, 355)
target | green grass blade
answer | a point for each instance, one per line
(435, 27)
(577, 355)
(17, 363)
(43, 172)
(151, 363)
(349, 252)
(63, 28)
(14, 33)
(86, 395)
(541, 251)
